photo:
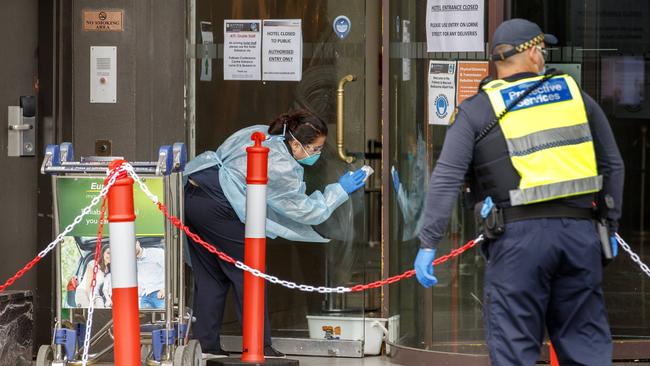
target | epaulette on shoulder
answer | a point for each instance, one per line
(484, 82)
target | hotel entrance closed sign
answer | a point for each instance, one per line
(102, 21)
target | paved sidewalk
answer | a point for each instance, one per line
(371, 361)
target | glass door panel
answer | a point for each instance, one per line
(225, 106)
(448, 317)
(604, 46)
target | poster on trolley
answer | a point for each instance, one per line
(78, 247)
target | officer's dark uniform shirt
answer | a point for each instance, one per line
(476, 113)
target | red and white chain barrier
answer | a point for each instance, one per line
(127, 168)
(273, 279)
(633, 255)
(85, 211)
(223, 256)
(93, 283)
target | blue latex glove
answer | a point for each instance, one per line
(424, 267)
(395, 175)
(351, 181)
(614, 242)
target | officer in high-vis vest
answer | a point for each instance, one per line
(543, 166)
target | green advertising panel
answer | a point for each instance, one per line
(73, 194)
(78, 248)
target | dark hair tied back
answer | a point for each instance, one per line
(301, 123)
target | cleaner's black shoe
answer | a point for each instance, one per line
(270, 352)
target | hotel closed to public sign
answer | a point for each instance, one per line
(102, 21)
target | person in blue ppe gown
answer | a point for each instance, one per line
(543, 252)
(215, 209)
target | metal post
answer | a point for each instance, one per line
(170, 273)
(58, 352)
(181, 260)
(121, 219)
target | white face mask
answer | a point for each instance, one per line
(542, 53)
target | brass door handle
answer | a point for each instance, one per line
(340, 145)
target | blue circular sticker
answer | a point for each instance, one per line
(342, 26)
(442, 104)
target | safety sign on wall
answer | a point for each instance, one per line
(282, 50)
(455, 25)
(103, 21)
(470, 74)
(242, 45)
(442, 91)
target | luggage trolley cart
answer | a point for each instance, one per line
(164, 339)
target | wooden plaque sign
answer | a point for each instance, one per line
(102, 21)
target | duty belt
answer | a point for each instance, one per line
(545, 210)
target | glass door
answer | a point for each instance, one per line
(334, 77)
(446, 320)
(604, 45)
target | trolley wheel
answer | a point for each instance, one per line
(45, 355)
(145, 352)
(188, 355)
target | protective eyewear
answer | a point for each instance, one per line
(314, 149)
(543, 51)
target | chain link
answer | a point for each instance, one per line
(633, 255)
(93, 283)
(85, 211)
(289, 284)
(129, 169)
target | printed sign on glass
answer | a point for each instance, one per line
(470, 74)
(442, 91)
(242, 45)
(455, 25)
(282, 50)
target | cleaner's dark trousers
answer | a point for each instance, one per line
(209, 214)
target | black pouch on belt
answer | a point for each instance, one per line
(606, 246)
(490, 218)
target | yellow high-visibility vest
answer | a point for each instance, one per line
(548, 138)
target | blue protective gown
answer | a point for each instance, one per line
(290, 211)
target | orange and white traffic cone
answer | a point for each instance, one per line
(121, 218)
(552, 355)
(255, 250)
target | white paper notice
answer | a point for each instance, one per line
(241, 50)
(442, 91)
(282, 50)
(455, 26)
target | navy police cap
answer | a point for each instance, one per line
(522, 34)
